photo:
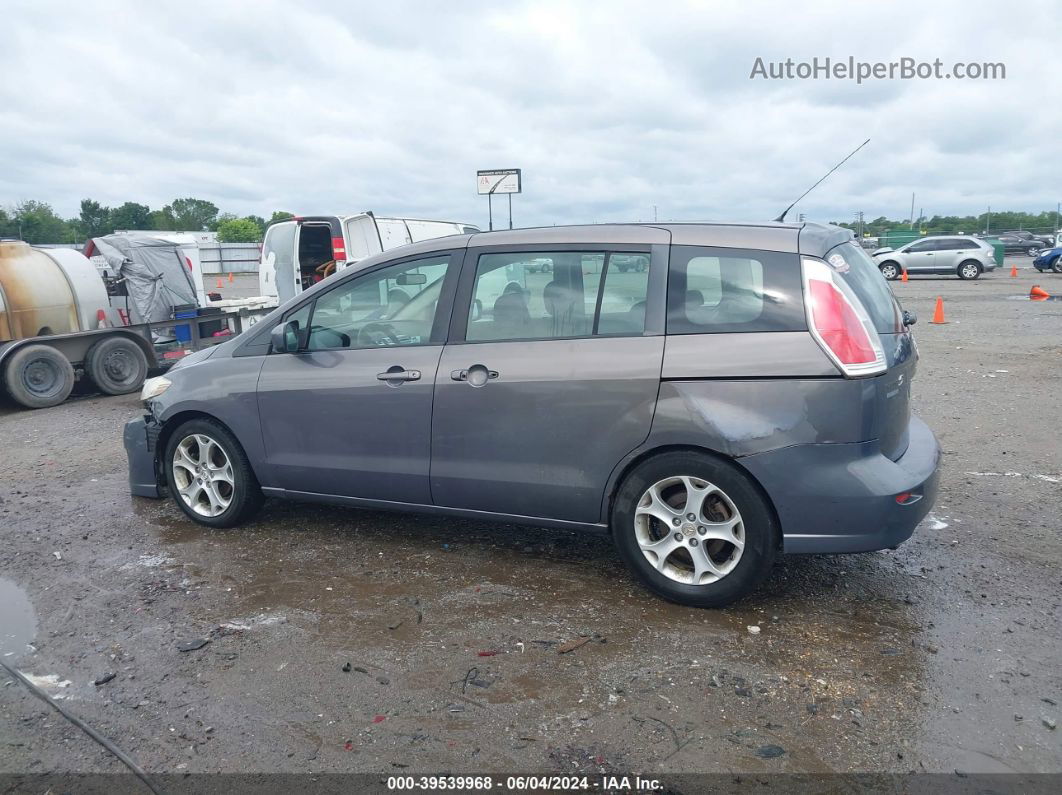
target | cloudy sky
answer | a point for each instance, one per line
(609, 108)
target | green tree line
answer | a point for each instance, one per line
(1042, 223)
(36, 222)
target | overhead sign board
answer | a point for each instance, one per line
(501, 180)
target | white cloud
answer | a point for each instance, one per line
(610, 108)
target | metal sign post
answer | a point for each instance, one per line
(501, 180)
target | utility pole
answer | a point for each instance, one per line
(911, 216)
(988, 220)
(1058, 206)
(654, 214)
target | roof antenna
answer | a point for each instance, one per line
(781, 217)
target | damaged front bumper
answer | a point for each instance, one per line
(141, 441)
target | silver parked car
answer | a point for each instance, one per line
(709, 394)
(966, 257)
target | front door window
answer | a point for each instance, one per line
(389, 307)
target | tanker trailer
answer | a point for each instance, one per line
(54, 328)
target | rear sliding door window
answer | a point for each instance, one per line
(716, 290)
(558, 295)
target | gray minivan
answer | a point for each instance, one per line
(732, 392)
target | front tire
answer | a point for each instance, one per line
(720, 555)
(890, 270)
(969, 270)
(1056, 266)
(209, 476)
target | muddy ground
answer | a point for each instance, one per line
(345, 640)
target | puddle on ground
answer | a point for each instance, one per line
(1036, 298)
(18, 622)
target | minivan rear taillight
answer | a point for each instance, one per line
(339, 251)
(838, 321)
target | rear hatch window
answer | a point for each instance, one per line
(865, 280)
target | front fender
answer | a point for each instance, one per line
(224, 388)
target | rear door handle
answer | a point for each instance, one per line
(476, 375)
(398, 374)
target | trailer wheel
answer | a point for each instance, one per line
(116, 365)
(38, 376)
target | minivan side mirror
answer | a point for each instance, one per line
(285, 337)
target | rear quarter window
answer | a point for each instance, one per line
(725, 290)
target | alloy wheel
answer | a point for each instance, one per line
(203, 475)
(689, 530)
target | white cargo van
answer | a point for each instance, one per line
(305, 249)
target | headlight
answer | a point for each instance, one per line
(153, 387)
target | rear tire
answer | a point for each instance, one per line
(117, 365)
(691, 562)
(969, 270)
(209, 476)
(890, 270)
(38, 376)
(1056, 266)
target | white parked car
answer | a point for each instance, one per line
(302, 250)
(966, 257)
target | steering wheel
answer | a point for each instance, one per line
(378, 334)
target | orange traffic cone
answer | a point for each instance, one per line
(938, 312)
(232, 277)
(219, 283)
(903, 276)
(1037, 293)
(1013, 270)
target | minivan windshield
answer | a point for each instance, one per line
(864, 279)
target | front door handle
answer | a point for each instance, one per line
(476, 375)
(396, 375)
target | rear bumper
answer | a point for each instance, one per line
(140, 437)
(842, 497)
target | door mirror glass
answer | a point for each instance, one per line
(285, 337)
